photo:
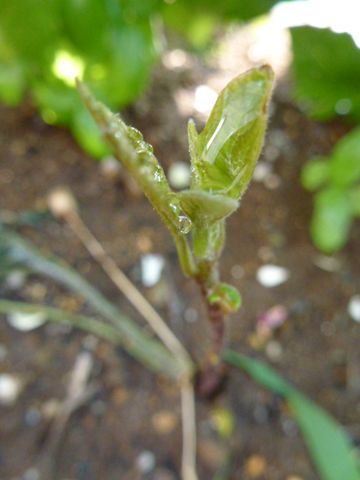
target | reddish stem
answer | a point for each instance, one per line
(212, 374)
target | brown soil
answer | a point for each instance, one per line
(318, 342)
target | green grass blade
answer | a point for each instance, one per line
(330, 448)
(135, 340)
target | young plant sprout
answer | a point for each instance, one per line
(223, 157)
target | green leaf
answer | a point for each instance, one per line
(206, 208)
(355, 201)
(331, 219)
(87, 134)
(345, 160)
(315, 173)
(326, 80)
(30, 29)
(12, 83)
(180, 13)
(331, 450)
(225, 152)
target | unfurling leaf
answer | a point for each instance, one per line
(223, 157)
(224, 154)
(227, 296)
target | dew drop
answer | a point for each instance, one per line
(157, 175)
(134, 134)
(184, 224)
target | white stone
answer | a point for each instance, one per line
(61, 202)
(179, 175)
(110, 168)
(146, 461)
(10, 388)
(15, 280)
(261, 172)
(25, 322)
(204, 100)
(152, 265)
(354, 308)
(274, 350)
(272, 275)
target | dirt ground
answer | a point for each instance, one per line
(130, 428)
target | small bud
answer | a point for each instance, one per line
(226, 296)
(61, 202)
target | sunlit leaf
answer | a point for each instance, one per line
(331, 219)
(326, 80)
(345, 160)
(227, 149)
(315, 173)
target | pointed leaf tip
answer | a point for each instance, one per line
(225, 153)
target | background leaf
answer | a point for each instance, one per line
(326, 79)
(315, 173)
(345, 160)
(331, 220)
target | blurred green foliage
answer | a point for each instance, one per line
(326, 68)
(336, 181)
(112, 45)
(197, 20)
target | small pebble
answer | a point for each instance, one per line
(204, 100)
(179, 175)
(255, 466)
(61, 202)
(274, 350)
(10, 388)
(191, 315)
(273, 318)
(272, 181)
(31, 474)
(237, 272)
(329, 264)
(212, 453)
(272, 275)
(146, 461)
(271, 153)
(51, 408)
(354, 308)
(151, 267)
(32, 417)
(262, 171)
(110, 168)
(164, 422)
(36, 291)
(15, 280)
(25, 322)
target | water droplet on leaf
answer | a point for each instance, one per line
(184, 224)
